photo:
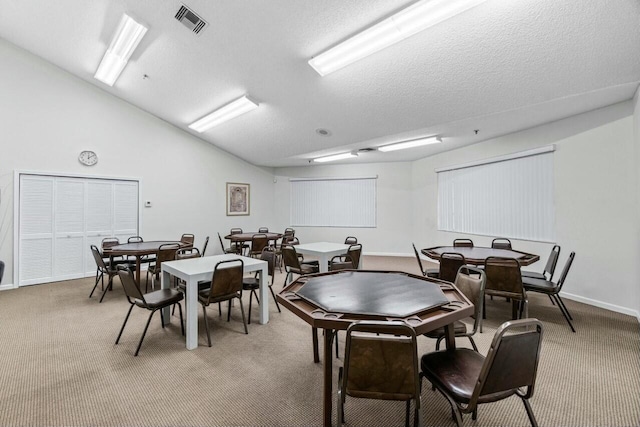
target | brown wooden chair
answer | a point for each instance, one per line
(501, 243)
(204, 247)
(463, 243)
(428, 272)
(258, 243)
(380, 362)
(450, 263)
(152, 301)
(252, 284)
(350, 240)
(552, 289)
(107, 243)
(263, 230)
(293, 263)
(166, 252)
(347, 261)
(188, 239)
(102, 269)
(504, 280)
(466, 378)
(232, 249)
(241, 246)
(471, 282)
(135, 239)
(549, 268)
(225, 285)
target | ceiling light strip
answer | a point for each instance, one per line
(221, 115)
(410, 144)
(404, 24)
(334, 157)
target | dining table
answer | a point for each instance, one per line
(476, 255)
(324, 251)
(334, 300)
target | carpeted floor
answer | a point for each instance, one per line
(59, 367)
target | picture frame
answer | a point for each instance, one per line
(238, 199)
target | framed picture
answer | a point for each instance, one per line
(238, 199)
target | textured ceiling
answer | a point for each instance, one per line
(501, 67)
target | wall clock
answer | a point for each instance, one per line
(88, 158)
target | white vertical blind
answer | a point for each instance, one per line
(348, 202)
(508, 198)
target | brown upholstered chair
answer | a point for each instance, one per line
(153, 301)
(380, 362)
(225, 285)
(263, 230)
(428, 272)
(552, 289)
(293, 263)
(204, 247)
(549, 268)
(146, 259)
(463, 243)
(107, 243)
(467, 379)
(241, 246)
(471, 282)
(102, 269)
(233, 249)
(350, 240)
(501, 243)
(188, 239)
(347, 261)
(135, 239)
(187, 253)
(166, 252)
(252, 284)
(450, 263)
(504, 280)
(258, 243)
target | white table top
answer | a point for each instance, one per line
(205, 265)
(321, 247)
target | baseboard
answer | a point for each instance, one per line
(388, 254)
(600, 304)
(7, 287)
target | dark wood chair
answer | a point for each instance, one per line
(504, 280)
(146, 259)
(135, 239)
(102, 269)
(552, 289)
(463, 243)
(107, 243)
(152, 301)
(293, 263)
(350, 240)
(450, 263)
(166, 252)
(258, 243)
(188, 239)
(242, 247)
(263, 230)
(232, 249)
(225, 285)
(466, 378)
(204, 247)
(501, 243)
(471, 282)
(428, 272)
(347, 261)
(252, 284)
(549, 268)
(380, 362)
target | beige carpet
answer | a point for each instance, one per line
(59, 367)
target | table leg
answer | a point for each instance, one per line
(314, 340)
(138, 270)
(324, 263)
(191, 309)
(450, 337)
(264, 295)
(328, 376)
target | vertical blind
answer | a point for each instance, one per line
(505, 197)
(331, 202)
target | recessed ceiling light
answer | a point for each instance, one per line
(410, 144)
(323, 132)
(335, 157)
(221, 115)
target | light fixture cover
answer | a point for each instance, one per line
(124, 42)
(407, 22)
(333, 157)
(410, 144)
(221, 115)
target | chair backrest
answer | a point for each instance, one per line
(501, 243)
(565, 271)
(512, 361)
(550, 268)
(463, 243)
(290, 257)
(354, 253)
(235, 231)
(381, 361)
(258, 243)
(221, 244)
(504, 278)
(97, 256)
(422, 270)
(268, 254)
(350, 240)
(186, 253)
(227, 278)
(450, 263)
(166, 252)
(135, 239)
(188, 239)
(204, 247)
(263, 230)
(131, 289)
(109, 242)
(471, 282)
(289, 232)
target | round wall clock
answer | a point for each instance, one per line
(88, 158)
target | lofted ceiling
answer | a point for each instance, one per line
(503, 66)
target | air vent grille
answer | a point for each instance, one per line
(190, 19)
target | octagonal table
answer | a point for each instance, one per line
(333, 300)
(477, 254)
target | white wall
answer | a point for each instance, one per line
(636, 135)
(47, 117)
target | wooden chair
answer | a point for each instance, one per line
(501, 243)
(466, 378)
(552, 289)
(152, 301)
(188, 239)
(380, 362)
(504, 280)
(293, 264)
(258, 243)
(204, 247)
(463, 243)
(350, 240)
(242, 247)
(252, 284)
(102, 269)
(232, 249)
(166, 252)
(347, 261)
(428, 272)
(263, 230)
(549, 268)
(450, 263)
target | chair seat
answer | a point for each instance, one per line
(250, 283)
(433, 272)
(306, 269)
(203, 297)
(459, 328)
(160, 298)
(539, 285)
(533, 275)
(201, 286)
(457, 372)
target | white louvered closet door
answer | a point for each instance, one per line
(99, 217)
(69, 225)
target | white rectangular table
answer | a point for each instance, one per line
(194, 270)
(324, 251)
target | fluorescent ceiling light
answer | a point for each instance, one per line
(221, 115)
(410, 144)
(407, 22)
(335, 157)
(124, 42)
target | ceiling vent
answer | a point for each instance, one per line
(190, 19)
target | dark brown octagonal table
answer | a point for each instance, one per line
(477, 254)
(333, 300)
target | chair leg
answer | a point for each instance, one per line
(106, 288)
(406, 413)
(229, 311)
(564, 306)
(206, 324)
(144, 332)
(336, 340)
(416, 412)
(551, 299)
(532, 418)
(162, 319)
(438, 341)
(274, 299)
(565, 314)
(244, 322)
(473, 344)
(180, 311)
(96, 285)
(250, 301)
(123, 325)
